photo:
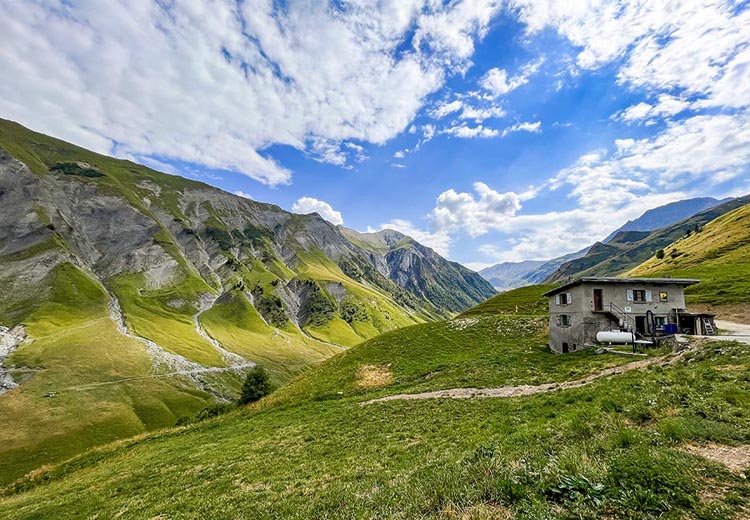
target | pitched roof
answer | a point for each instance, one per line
(608, 279)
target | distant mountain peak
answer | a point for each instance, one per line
(667, 214)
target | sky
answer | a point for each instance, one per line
(488, 130)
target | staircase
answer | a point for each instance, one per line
(625, 321)
(708, 328)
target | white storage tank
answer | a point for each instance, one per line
(614, 336)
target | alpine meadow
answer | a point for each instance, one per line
(457, 260)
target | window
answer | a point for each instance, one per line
(639, 295)
(663, 296)
(563, 320)
(564, 299)
(660, 321)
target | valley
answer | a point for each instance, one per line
(636, 441)
(143, 296)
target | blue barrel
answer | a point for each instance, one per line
(670, 328)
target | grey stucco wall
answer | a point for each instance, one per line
(585, 323)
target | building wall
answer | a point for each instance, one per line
(585, 323)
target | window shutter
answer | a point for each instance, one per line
(649, 297)
(630, 295)
(557, 299)
(558, 321)
(570, 298)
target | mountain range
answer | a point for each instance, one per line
(627, 249)
(147, 294)
(510, 275)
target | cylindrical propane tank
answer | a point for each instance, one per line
(614, 336)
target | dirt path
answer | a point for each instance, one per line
(732, 331)
(189, 373)
(522, 390)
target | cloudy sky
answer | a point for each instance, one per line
(489, 130)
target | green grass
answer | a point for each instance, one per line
(235, 323)
(522, 301)
(165, 316)
(608, 449)
(101, 378)
(719, 256)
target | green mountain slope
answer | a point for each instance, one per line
(617, 447)
(719, 255)
(143, 295)
(628, 249)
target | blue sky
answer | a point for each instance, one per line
(491, 131)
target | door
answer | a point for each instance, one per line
(598, 303)
(640, 324)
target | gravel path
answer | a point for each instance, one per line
(733, 331)
(521, 390)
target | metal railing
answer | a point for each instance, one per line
(627, 321)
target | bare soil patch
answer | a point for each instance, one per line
(735, 458)
(737, 312)
(374, 376)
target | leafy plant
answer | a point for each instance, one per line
(576, 488)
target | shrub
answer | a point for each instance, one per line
(660, 254)
(257, 384)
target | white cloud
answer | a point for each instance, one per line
(498, 83)
(475, 215)
(526, 126)
(307, 205)
(467, 132)
(443, 109)
(400, 154)
(217, 84)
(666, 106)
(479, 114)
(243, 194)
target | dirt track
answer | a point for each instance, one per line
(521, 390)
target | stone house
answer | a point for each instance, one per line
(648, 307)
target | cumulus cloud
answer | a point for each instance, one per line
(307, 205)
(474, 214)
(243, 194)
(218, 84)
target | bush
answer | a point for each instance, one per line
(257, 384)
(660, 254)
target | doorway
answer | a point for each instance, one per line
(598, 300)
(640, 324)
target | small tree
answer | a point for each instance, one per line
(257, 384)
(660, 254)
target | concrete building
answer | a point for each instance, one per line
(648, 307)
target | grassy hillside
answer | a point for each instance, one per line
(199, 272)
(719, 255)
(629, 249)
(621, 447)
(102, 380)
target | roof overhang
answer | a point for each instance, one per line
(600, 280)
